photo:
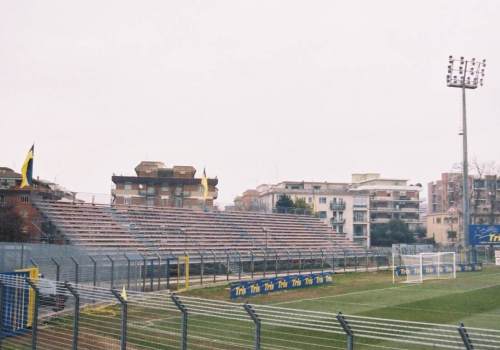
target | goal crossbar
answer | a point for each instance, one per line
(425, 266)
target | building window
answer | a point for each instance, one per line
(322, 200)
(25, 198)
(317, 187)
(128, 185)
(309, 200)
(359, 216)
(322, 214)
(127, 200)
(150, 202)
(178, 202)
(341, 229)
(2, 199)
(438, 220)
(151, 190)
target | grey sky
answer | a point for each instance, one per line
(256, 91)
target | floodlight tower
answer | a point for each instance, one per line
(465, 74)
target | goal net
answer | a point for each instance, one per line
(424, 266)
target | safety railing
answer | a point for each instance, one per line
(59, 315)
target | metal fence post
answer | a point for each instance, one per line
(58, 268)
(252, 265)
(227, 266)
(2, 297)
(215, 265)
(94, 272)
(151, 276)
(345, 260)
(333, 261)
(76, 269)
(34, 323)
(168, 272)
(312, 262)
(123, 318)
(465, 337)
(144, 270)
(128, 270)
(22, 256)
(276, 256)
(112, 271)
(322, 261)
(255, 318)
(184, 312)
(239, 266)
(347, 329)
(300, 262)
(366, 256)
(265, 264)
(202, 268)
(159, 271)
(76, 315)
(288, 263)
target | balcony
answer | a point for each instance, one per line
(337, 221)
(393, 199)
(380, 220)
(337, 206)
(147, 193)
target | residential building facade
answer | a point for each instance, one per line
(389, 199)
(157, 185)
(344, 211)
(352, 209)
(445, 206)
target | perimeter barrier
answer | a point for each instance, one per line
(76, 316)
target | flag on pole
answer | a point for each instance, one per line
(123, 294)
(204, 184)
(27, 169)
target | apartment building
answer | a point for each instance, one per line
(389, 199)
(248, 201)
(352, 209)
(344, 211)
(445, 205)
(485, 200)
(157, 185)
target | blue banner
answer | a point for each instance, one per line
(484, 234)
(432, 269)
(268, 285)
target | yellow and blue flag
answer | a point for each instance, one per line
(204, 184)
(27, 169)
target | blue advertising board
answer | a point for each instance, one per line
(268, 285)
(432, 269)
(15, 306)
(484, 234)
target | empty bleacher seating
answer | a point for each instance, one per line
(155, 230)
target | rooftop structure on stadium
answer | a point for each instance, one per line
(157, 185)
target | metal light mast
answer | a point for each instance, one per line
(465, 74)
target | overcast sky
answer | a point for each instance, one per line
(256, 91)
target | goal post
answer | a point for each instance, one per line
(425, 266)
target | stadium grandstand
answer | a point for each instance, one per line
(152, 230)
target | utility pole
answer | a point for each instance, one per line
(465, 74)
